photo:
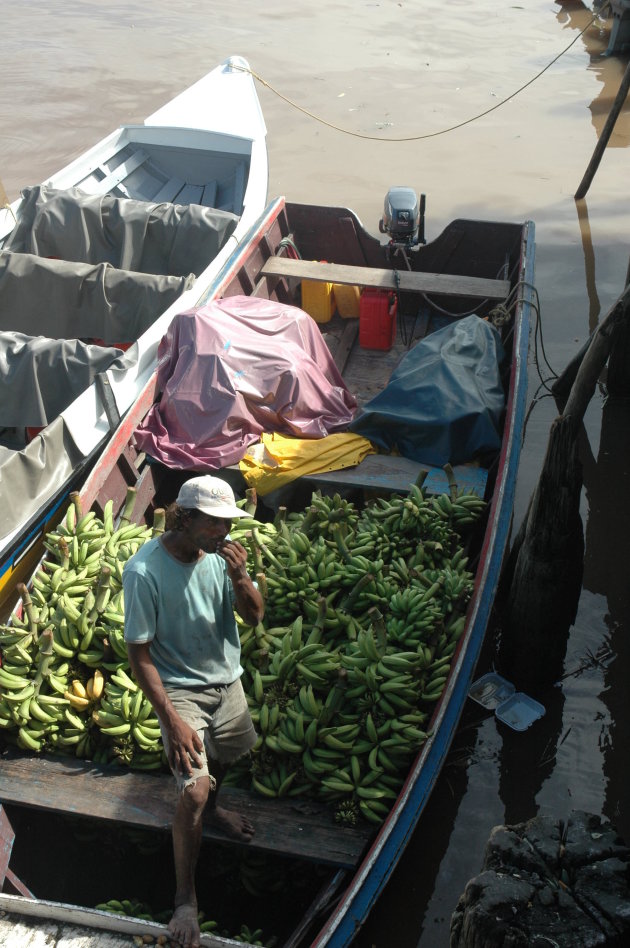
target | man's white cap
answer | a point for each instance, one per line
(211, 495)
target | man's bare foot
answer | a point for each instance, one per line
(232, 823)
(184, 926)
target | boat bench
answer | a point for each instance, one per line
(290, 826)
(389, 472)
(173, 191)
(398, 280)
(115, 178)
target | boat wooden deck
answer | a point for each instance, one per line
(289, 826)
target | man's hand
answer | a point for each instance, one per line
(184, 742)
(249, 602)
(235, 555)
(184, 746)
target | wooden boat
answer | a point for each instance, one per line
(165, 204)
(471, 266)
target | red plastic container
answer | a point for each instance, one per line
(377, 319)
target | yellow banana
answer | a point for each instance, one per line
(79, 688)
(76, 701)
(98, 683)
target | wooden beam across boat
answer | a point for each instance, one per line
(389, 472)
(288, 826)
(404, 280)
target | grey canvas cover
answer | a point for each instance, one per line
(48, 461)
(64, 300)
(40, 377)
(79, 268)
(173, 239)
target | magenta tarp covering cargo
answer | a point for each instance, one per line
(234, 368)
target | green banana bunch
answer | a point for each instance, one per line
(124, 712)
(364, 611)
(325, 513)
(73, 613)
(133, 908)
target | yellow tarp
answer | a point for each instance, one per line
(276, 459)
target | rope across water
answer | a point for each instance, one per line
(415, 138)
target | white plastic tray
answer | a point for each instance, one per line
(511, 707)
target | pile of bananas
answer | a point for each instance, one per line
(64, 681)
(363, 612)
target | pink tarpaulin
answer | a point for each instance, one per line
(234, 368)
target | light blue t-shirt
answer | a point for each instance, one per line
(185, 610)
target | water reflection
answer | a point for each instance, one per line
(528, 758)
(607, 481)
(594, 305)
(575, 15)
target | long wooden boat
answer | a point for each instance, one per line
(473, 266)
(125, 236)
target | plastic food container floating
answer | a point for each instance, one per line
(511, 707)
(491, 690)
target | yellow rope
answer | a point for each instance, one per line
(415, 138)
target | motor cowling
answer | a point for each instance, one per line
(401, 215)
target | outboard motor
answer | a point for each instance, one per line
(403, 218)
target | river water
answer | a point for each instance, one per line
(494, 111)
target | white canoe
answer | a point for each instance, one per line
(191, 180)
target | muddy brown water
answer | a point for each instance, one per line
(384, 72)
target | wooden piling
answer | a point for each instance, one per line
(547, 573)
(542, 581)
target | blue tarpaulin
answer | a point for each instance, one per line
(444, 401)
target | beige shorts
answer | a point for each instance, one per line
(222, 720)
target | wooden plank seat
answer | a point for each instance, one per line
(392, 473)
(122, 171)
(190, 194)
(169, 191)
(176, 191)
(289, 826)
(405, 280)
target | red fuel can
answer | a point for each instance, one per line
(377, 318)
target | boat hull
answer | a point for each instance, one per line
(470, 254)
(187, 154)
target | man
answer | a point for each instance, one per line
(180, 593)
